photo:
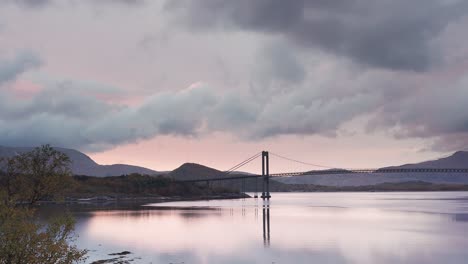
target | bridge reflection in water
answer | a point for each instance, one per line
(266, 224)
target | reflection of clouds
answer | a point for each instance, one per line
(460, 217)
(356, 234)
(298, 256)
(171, 230)
(298, 234)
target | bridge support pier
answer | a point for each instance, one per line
(265, 175)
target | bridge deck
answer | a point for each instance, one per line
(331, 172)
(373, 171)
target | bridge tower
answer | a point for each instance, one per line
(265, 175)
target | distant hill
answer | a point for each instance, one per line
(197, 171)
(83, 164)
(190, 171)
(457, 160)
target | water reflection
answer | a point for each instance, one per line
(308, 228)
(460, 217)
(266, 224)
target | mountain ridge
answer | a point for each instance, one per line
(82, 164)
(458, 160)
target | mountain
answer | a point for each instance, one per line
(458, 160)
(83, 164)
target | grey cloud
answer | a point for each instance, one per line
(10, 69)
(405, 105)
(62, 101)
(234, 112)
(392, 34)
(32, 3)
(128, 2)
(45, 3)
(290, 116)
(68, 116)
(68, 113)
(434, 110)
(279, 62)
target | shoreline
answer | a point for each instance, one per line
(133, 203)
(103, 202)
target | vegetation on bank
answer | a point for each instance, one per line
(26, 179)
(137, 185)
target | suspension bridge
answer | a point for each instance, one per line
(325, 170)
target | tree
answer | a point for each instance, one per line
(9, 180)
(26, 179)
(42, 173)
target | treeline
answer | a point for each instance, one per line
(137, 185)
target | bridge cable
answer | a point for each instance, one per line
(243, 163)
(305, 163)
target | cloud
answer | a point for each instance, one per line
(320, 66)
(32, 3)
(67, 115)
(11, 69)
(75, 114)
(45, 3)
(276, 60)
(390, 34)
(433, 108)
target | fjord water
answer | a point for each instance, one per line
(303, 228)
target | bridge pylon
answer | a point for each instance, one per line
(265, 176)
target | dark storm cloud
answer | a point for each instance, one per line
(392, 34)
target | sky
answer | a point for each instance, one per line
(341, 83)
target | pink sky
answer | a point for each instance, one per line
(223, 151)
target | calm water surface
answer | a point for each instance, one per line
(292, 228)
